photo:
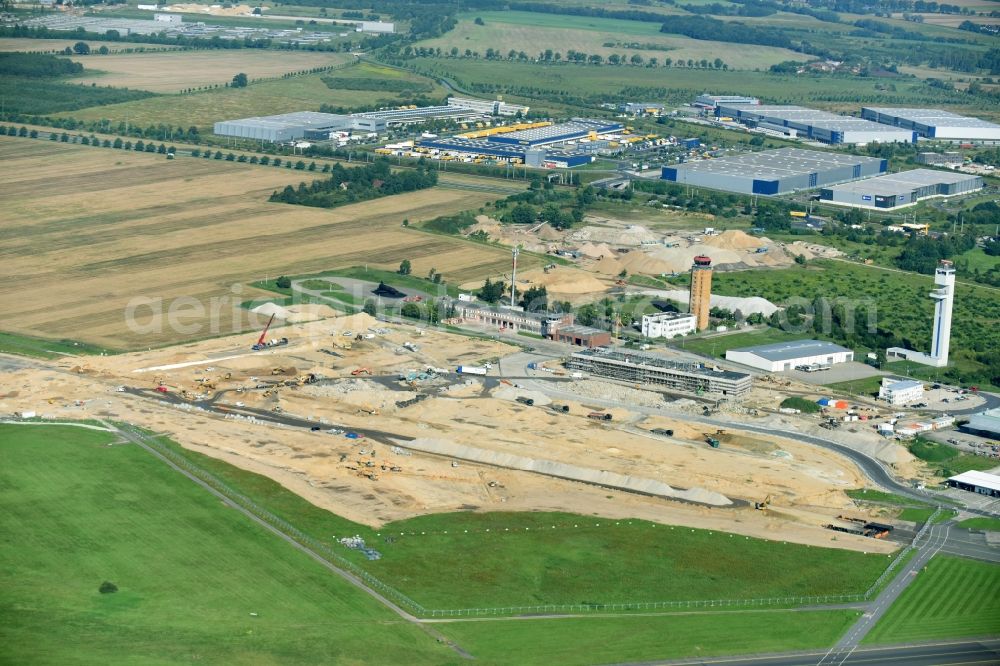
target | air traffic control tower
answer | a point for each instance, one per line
(944, 298)
(701, 290)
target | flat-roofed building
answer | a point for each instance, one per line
(981, 483)
(899, 392)
(772, 172)
(934, 123)
(815, 124)
(898, 190)
(782, 356)
(693, 378)
(668, 324)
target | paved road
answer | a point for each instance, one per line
(928, 545)
(958, 653)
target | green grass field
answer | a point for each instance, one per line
(947, 460)
(532, 32)
(985, 524)
(867, 386)
(881, 497)
(951, 598)
(23, 345)
(523, 560)
(190, 571)
(298, 93)
(573, 642)
(566, 565)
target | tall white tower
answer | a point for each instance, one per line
(944, 297)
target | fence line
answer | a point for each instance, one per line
(326, 552)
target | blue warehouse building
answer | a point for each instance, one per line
(773, 172)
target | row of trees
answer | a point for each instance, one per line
(347, 185)
(572, 56)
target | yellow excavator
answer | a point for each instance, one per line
(760, 506)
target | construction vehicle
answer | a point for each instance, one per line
(361, 371)
(662, 431)
(760, 506)
(712, 441)
(599, 416)
(368, 409)
(264, 343)
(560, 408)
(277, 371)
(525, 401)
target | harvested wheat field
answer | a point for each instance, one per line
(88, 229)
(169, 72)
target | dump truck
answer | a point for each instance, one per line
(599, 416)
(662, 431)
(525, 401)
(560, 408)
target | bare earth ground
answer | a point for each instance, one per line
(174, 72)
(85, 230)
(806, 482)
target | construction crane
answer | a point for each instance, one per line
(263, 334)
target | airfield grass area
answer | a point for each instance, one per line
(985, 524)
(716, 345)
(477, 560)
(189, 570)
(168, 72)
(203, 109)
(25, 345)
(120, 225)
(951, 598)
(532, 32)
(572, 642)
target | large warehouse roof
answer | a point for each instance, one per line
(979, 479)
(776, 163)
(933, 123)
(291, 120)
(822, 125)
(903, 182)
(786, 351)
(988, 421)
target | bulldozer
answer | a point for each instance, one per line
(368, 409)
(277, 371)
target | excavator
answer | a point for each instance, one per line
(763, 505)
(361, 371)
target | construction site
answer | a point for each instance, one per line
(383, 420)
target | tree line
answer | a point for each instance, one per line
(350, 184)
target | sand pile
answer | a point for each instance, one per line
(268, 309)
(607, 391)
(548, 232)
(631, 235)
(735, 239)
(596, 250)
(564, 280)
(648, 263)
(356, 322)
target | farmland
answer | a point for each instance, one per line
(58, 45)
(196, 581)
(170, 72)
(299, 93)
(529, 32)
(951, 598)
(120, 226)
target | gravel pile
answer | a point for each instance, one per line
(590, 388)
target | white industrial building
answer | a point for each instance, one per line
(814, 124)
(901, 391)
(782, 356)
(490, 107)
(935, 123)
(898, 190)
(985, 424)
(168, 18)
(982, 483)
(668, 324)
(712, 101)
(944, 300)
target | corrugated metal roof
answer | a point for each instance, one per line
(785, 351)
(980, 479)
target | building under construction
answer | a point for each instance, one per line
(633, 367)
